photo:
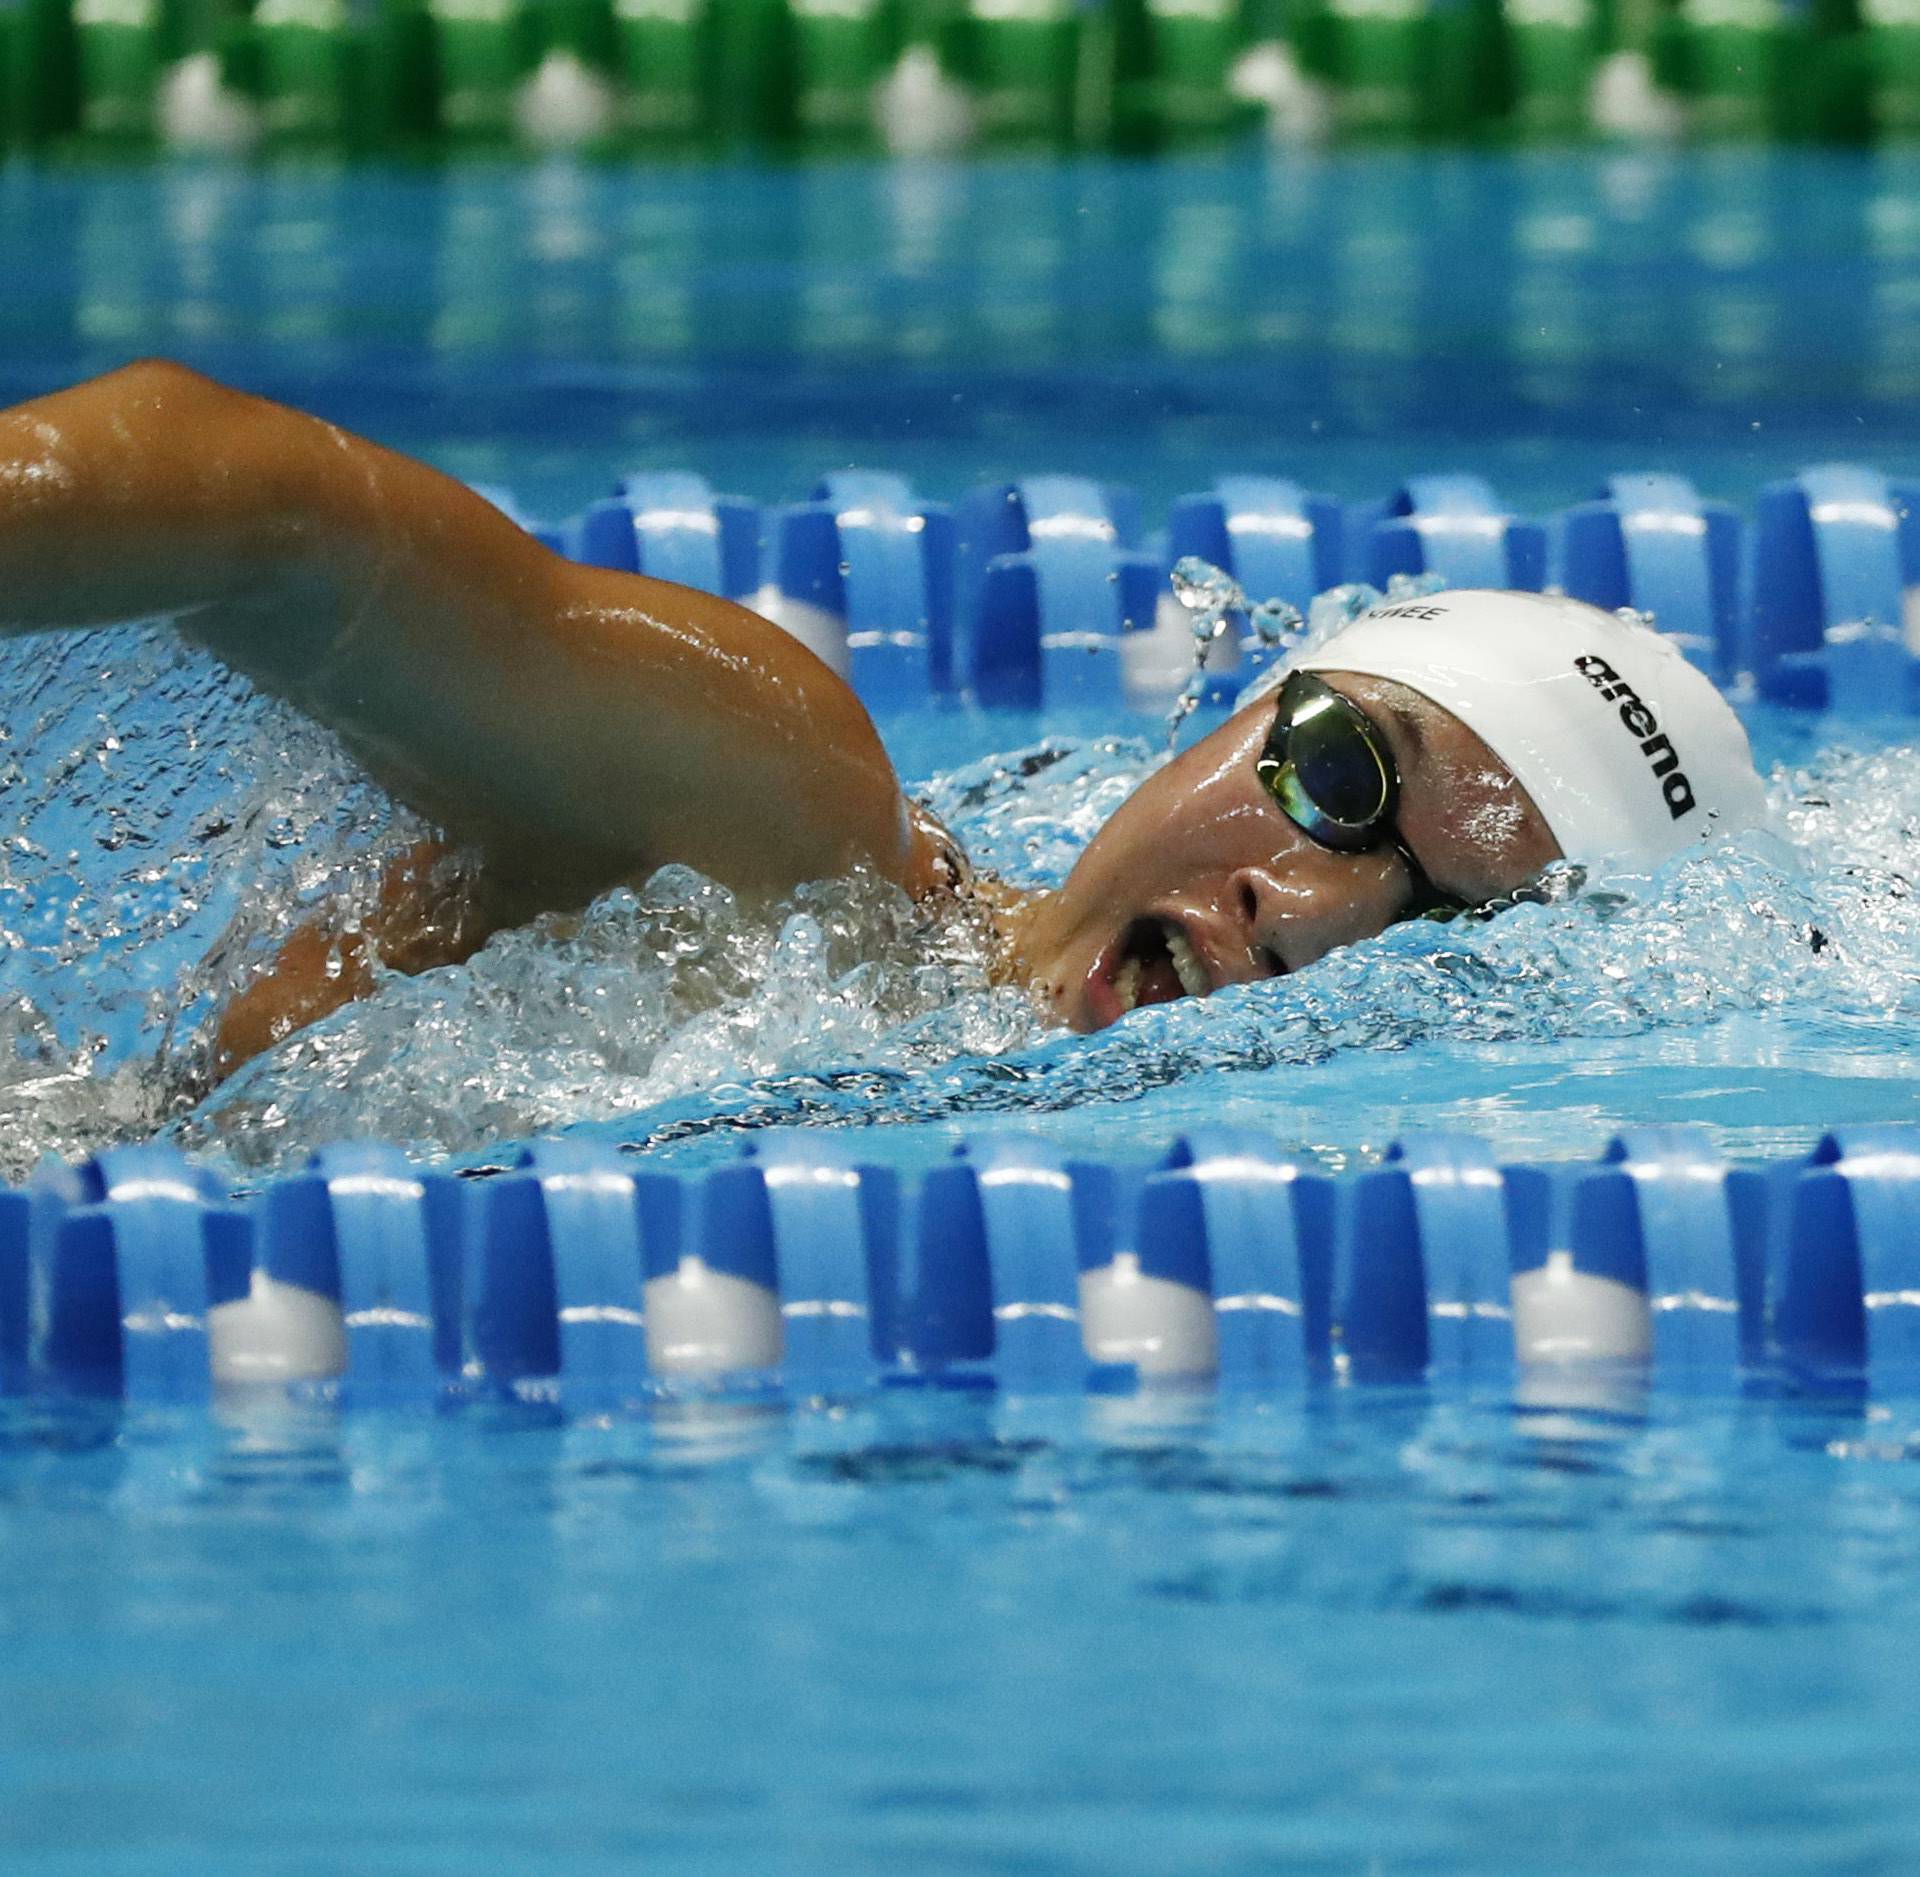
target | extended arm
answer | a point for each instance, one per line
(577, 726)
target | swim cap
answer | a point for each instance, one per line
(1628, 751)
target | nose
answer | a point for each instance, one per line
(1258, 902)
(1248, 891)
(1299, 913)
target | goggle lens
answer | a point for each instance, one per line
(1332, 774)
(1324, 767)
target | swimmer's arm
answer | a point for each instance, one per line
(576, 726)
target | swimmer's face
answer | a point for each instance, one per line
(1201, 881)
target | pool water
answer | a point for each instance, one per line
(1347, 319)
(1360, 1630)
(1369, 1632)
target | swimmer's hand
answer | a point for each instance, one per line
(429, 910)
(575, 726)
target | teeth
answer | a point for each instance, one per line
(1193, 974)
(1127, 983)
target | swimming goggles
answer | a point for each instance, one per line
(1333, 776)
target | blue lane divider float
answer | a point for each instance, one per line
(1050, 576)
(583, 1279)
(1022, 594)
(1679, 1227)
(1843, 1258)
(1443, 1193)
(562, 1271)
(1648, 541)
(1268, 1220)
(1835, 550)
(1031, 1212)
(833, 1231)
(394, 1233)
(80, 1349)
(16, 1294)
(1653, 1250)
(671, 525)
(142, 1229)
(864, 549)
(1277, 540)
(1451, 525)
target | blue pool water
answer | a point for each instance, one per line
(1364, 1631)
(1369, 1634)
(1348, 319)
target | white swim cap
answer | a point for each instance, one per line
(1628, 751)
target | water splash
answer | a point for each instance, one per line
(651, 993)
(170, 828)
(1275, 633)
(1214, 599)
(821, 1014)
(1737, 931)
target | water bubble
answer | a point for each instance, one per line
(1209, 594)
(1276, 623)
(1203, 588)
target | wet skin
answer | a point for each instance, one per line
(1201, 850)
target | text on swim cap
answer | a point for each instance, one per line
(1662, 757)
(1407, 609)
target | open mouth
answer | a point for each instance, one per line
(1157, 964)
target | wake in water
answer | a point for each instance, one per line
(172, 828)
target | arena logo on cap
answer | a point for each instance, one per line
(1658, 749)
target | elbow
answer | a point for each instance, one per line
(171, 416)
(163, 391)
(165, 378)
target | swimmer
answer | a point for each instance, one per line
(571, 729)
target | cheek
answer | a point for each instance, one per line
(1151, 824)
(1339, 899)
(1202, 814)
